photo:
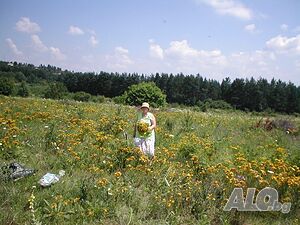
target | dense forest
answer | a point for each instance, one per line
(244, 94)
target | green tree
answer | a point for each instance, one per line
(55, 90)
(19, 76)
(237, 93)
(23, 90)
(291, 91)
(145, 92)
(251, 95)
(263, 93)
(280, 96)
(226, 89)
(6, 86)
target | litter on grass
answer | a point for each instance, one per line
(51, 178)
(15, 171)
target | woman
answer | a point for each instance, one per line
(145, 139)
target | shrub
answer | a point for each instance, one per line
(145, 92)
(23, 90)
(82, 96)
(217, 104)
(55, 90)
(6, 86)
(120, 99)
(100, 99)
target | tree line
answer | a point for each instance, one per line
(244, 94)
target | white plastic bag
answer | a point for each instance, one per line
(50, 178)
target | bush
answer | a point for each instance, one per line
(213, 104)
(7, 86)
(201, 106)
(120, 99)
(23, 90)
(55, 91)
(218, 104)
(145, 92)
(82, 96)
(100, 99)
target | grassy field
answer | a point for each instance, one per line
(200, 158)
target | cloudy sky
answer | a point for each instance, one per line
(215, 38)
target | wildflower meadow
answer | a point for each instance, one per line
(200, 157)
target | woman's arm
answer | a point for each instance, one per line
(153, 124)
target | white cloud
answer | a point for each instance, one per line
(75, 30)
(25, 25)
(181, 57)
(120, 60)
(38, 44)
(250, 28)
(41, 47)
(262, 63)
(181, 49)
(13, 47)
(252, 63)
(155, 50)
(57, 54)
(121, 50)
(117, 61)
(284, 27)
(93, 41)
(282, 44)
(229, 7)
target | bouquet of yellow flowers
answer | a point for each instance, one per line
(142, 128)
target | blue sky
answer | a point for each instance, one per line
(215, 38)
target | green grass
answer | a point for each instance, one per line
(199, 156)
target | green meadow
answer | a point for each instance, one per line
(200, 157)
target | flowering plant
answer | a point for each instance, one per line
(142, 127)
